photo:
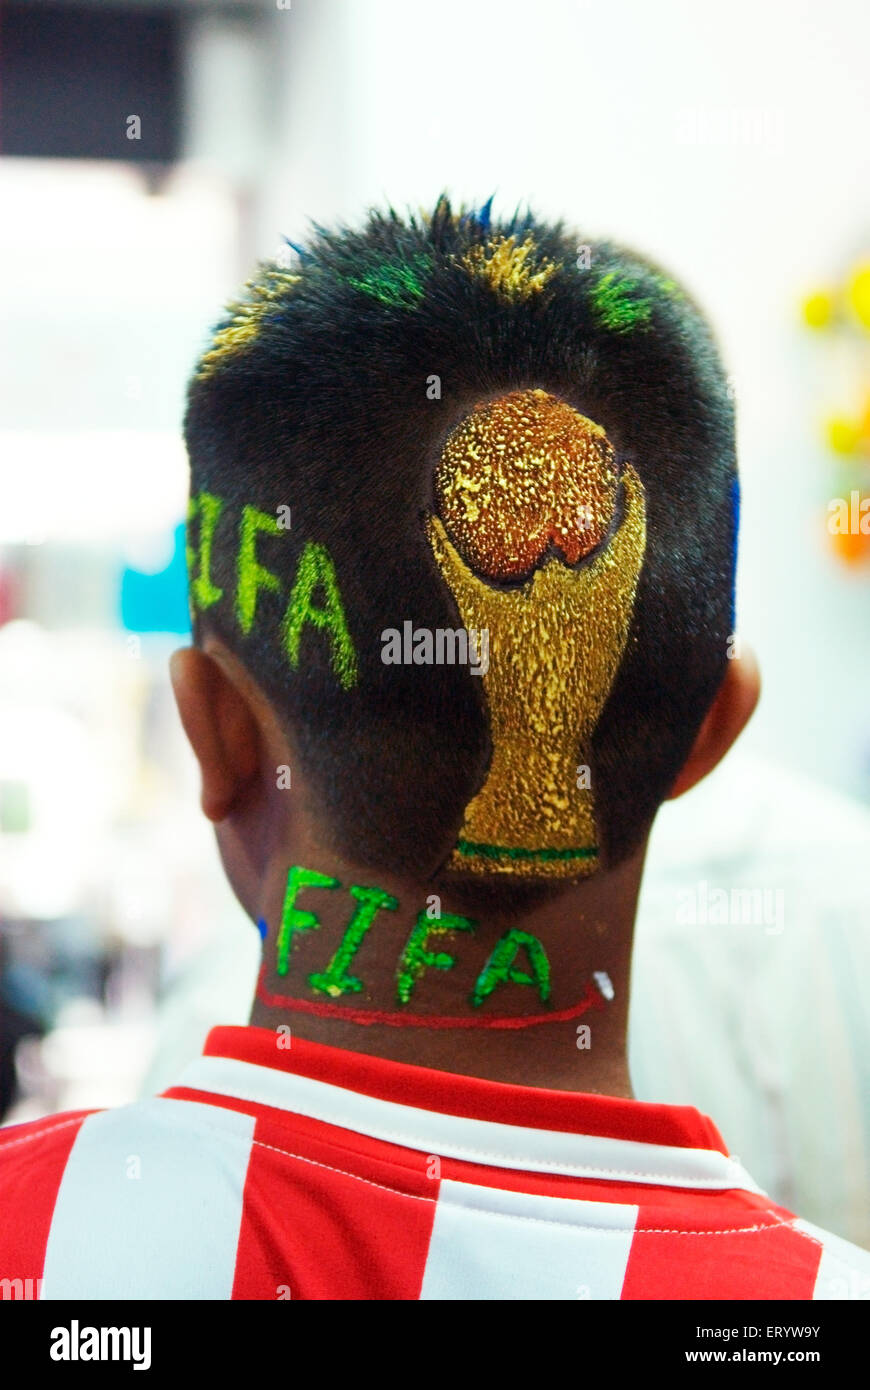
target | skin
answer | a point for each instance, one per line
(261, 830)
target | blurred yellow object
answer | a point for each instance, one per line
(858, 293)
(818, 309)
(842, 434)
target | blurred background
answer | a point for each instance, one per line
(149, 155)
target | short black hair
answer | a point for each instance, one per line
(316, 394)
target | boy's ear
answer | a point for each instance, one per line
(220, 727)
(726, 719)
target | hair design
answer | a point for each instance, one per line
(482, 424)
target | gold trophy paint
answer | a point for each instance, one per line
(526, 494)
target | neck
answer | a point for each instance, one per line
(385, 966)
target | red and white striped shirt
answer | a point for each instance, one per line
(311, 1172)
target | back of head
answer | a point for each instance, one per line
(464, 506)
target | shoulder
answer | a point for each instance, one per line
(140, 1201)
(844, 1268)
(33, 1159)
(108, 1142)
(28, 1148)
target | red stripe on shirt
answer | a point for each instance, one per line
(753, 1257)
(312, 1231)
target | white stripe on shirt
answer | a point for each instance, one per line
(490, 1243)
(119, 1236)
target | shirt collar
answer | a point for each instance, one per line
(467, 1117)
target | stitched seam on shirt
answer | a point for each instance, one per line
(459, 1206)
(516, 1161)
(537, 1220)
(38, 1134)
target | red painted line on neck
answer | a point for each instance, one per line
(321, 1009)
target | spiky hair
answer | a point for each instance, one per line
(315, 393)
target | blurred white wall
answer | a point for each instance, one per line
(729, 141)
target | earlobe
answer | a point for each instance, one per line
(726, 719)
(219, 726)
